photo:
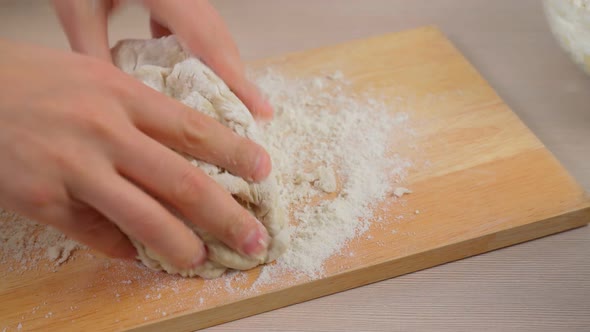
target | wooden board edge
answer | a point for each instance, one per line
(371, 274)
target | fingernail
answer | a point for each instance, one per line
(263, 166)
(256, 242)
(200, 258)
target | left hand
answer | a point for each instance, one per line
(195, 22)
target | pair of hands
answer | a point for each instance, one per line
(85, 147)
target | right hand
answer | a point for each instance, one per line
(85, 148)
(196, 24)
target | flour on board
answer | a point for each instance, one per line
(325, 140)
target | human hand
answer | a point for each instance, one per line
(83, 149)
(195, 22)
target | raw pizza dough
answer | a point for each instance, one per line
(163, 65)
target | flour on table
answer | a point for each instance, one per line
(60, 252)
(327, 139)
(326, 180)
(400, 191)
(319, 123)
(25, 244)
(322, 178)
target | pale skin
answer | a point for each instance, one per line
(85, 147)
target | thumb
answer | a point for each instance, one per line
(202, 30)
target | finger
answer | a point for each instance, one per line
(85, 24)
(158, 30)
(199, 135)
(143, 218)
(200, 199)
(207, 37)
(38, 197)
(251, 96)
(88, 226)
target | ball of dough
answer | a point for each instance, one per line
(163, 65)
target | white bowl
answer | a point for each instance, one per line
(570, 23)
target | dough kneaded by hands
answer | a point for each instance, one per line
(163, 65)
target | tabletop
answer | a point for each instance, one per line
(542, 285)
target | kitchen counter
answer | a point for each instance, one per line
(541, 285)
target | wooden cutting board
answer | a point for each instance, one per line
(490, 183)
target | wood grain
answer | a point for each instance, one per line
(490, 184)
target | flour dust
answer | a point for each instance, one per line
(333, 150)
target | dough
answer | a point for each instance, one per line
(322, 178)
(163, 65)
(400, 191)
(326, 179)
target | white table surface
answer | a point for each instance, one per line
(542, 285)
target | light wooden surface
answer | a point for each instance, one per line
(489, 183)
(541, 285)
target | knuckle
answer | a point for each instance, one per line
(189, 187)
(193, 130)
(40, 196)
(110, 79)
(97, 123)
(67, 160)
(249, 154)
(100, 125)
(43, 198)
(238, 227)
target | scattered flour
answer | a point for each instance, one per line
(400, 191)
(322, 178)
(330, 146)
(324, 134)
(325, 139)
(25, 244)
(326, 180)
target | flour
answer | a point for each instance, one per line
(570, 23)
(332, 149)
(320, 126)
(25, 244)
(322, 178)
(326, 180)
(400, 191)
